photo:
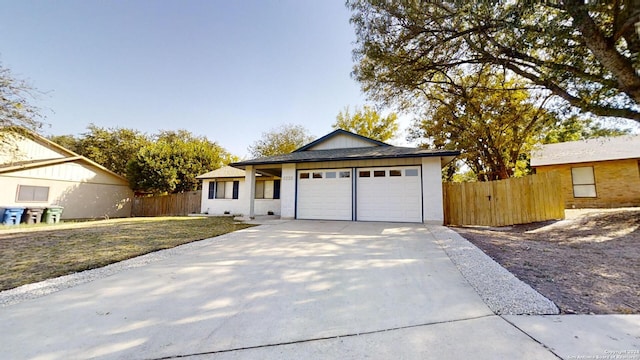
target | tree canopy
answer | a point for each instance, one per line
(167, 162)
(494, 129)
(172, 161)
(586, 53)
(109, 147)
(367, 122)
(15, 106)
(281, 140)
(573, 128)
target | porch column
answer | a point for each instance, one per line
(250, 180)
(288, 192)
(432, 191)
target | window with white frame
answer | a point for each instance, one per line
(27, 193)
(267, 189)
(220, 189)
(584, 182)
(224, 189)
(259, 190)
(212, 190)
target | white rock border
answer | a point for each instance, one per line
(504, 293)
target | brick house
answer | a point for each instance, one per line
(595, 173)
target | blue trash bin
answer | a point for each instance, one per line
(12, 215)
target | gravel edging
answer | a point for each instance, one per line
(504, 293)
(46, 287)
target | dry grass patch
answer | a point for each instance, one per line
(585, 264)
(30, 254)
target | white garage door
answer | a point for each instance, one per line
(324, 194)
(389, 194)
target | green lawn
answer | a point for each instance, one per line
(34, 253)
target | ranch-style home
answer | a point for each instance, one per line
(340, 176)
(602, 172)
(223, 192)
(37, 173)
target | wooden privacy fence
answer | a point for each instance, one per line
(504, 202)
(167, 205)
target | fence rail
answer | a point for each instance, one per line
(167, 205)
(504, 202)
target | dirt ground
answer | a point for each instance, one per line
(587, 263)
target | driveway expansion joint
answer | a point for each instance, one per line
(529, 336)
(213, 352)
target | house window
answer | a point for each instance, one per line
(379, 173)
(259, 190)
(32, 193)
(411, 172)
(395, 173)
(267, 189)
(365, 174)
(584, 182)
(212, 190)
(317, 175)
(304, 175)
(236, 189)
(276, 189)
(331, 174)
(345, 174)
(220, 189)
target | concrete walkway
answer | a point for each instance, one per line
(299, 289)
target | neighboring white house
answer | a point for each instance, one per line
(341, 176)
(35, 172)
(224, 191)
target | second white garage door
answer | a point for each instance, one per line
(389, 194)
(324, 194)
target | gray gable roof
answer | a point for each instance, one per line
(340, 132)
(367, 153)
(598, 149)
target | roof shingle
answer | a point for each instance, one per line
(367, 153)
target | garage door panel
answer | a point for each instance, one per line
(389, 198)
(324, 194)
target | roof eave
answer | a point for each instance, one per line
(243, 164)
(71, 155)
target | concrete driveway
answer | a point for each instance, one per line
(298, 289)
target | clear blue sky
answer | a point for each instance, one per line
(227, 70)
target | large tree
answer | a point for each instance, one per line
(109, 147)
(172, 161)
(586, 53)
(495, 129)
(15, 106)
(281, 140)
(367, 122)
